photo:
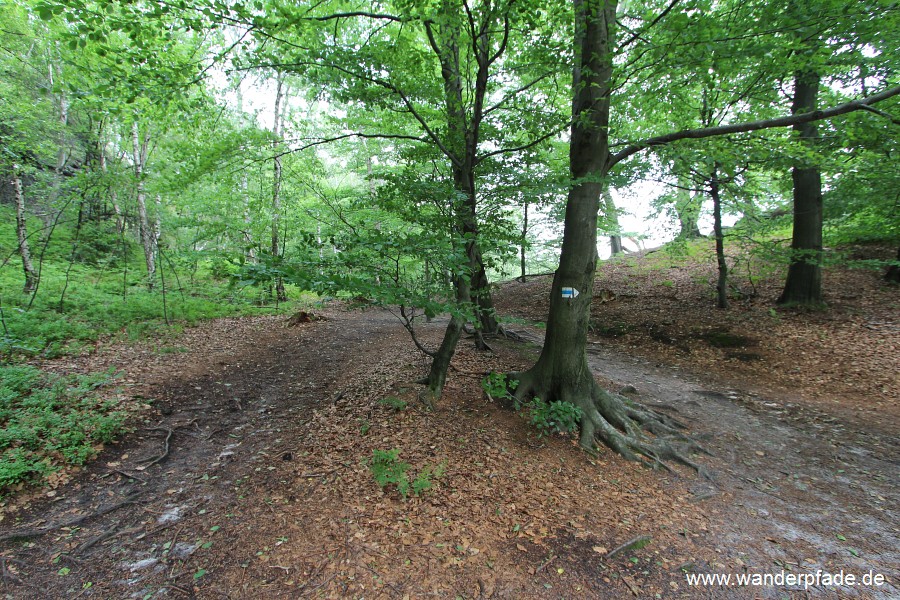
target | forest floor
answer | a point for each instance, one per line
(247, 476)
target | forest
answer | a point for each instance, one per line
(169, 164)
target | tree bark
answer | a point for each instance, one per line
(722, 283)
(524, 241)
(113, 194)
(804, 279)
(612, 219)
(280, 293)
(463, 136)
(249, 249)
(687, 208)
(893, 271)
(140, 149)
(31, 275)
(561, 372)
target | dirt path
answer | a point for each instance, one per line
(128, 526)
(805, 492)
(250, 482)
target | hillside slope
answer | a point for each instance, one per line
(662, 306)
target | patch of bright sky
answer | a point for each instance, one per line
(643, 227)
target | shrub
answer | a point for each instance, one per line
(388, 469)
(557, 416)
(393, 402)
(47, 421)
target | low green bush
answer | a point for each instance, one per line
(47, 421)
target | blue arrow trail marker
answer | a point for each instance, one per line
(569, 292)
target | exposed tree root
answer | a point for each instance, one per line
(627, 427)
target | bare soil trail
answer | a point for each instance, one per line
(248, 478)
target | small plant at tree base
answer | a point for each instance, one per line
(498, 386)
(557, 416)
(388, 469)
(394, 402)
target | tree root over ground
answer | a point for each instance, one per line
(629, 428)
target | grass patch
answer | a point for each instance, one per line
(49, 421)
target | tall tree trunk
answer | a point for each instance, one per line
(249, 249)
(140, 148)
(722, 283)
(31, 276)
(463, 133)
(612, 220)
(561, 372)
(804, 279)
(113, 194)
(280, 293)
(524, 241)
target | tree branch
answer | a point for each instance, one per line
(881, 113)
(358, 13)
(705, 132)
(359, 134)
(515, 93)
(526, 146)
(639, 34)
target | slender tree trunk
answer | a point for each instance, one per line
(249, 249)
(612, 219)
(157, 222)
(524, 241)
(47, 214)
(722, 284)
(139, 149)
(113, 194)
(31, 275)
(804, 279)
(463, 133)
(280, 293)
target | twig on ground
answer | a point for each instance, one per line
(544, 565)
(152, 461)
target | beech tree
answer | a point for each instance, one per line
(561, 372)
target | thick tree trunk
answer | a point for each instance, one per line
(139, 156)
(31, 275)
(893, 272)
(561, 373)
(687, 208)
(722, 284)
(804, 279)
(280, 293)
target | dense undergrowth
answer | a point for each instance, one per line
(91, 288)
(49, 421)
